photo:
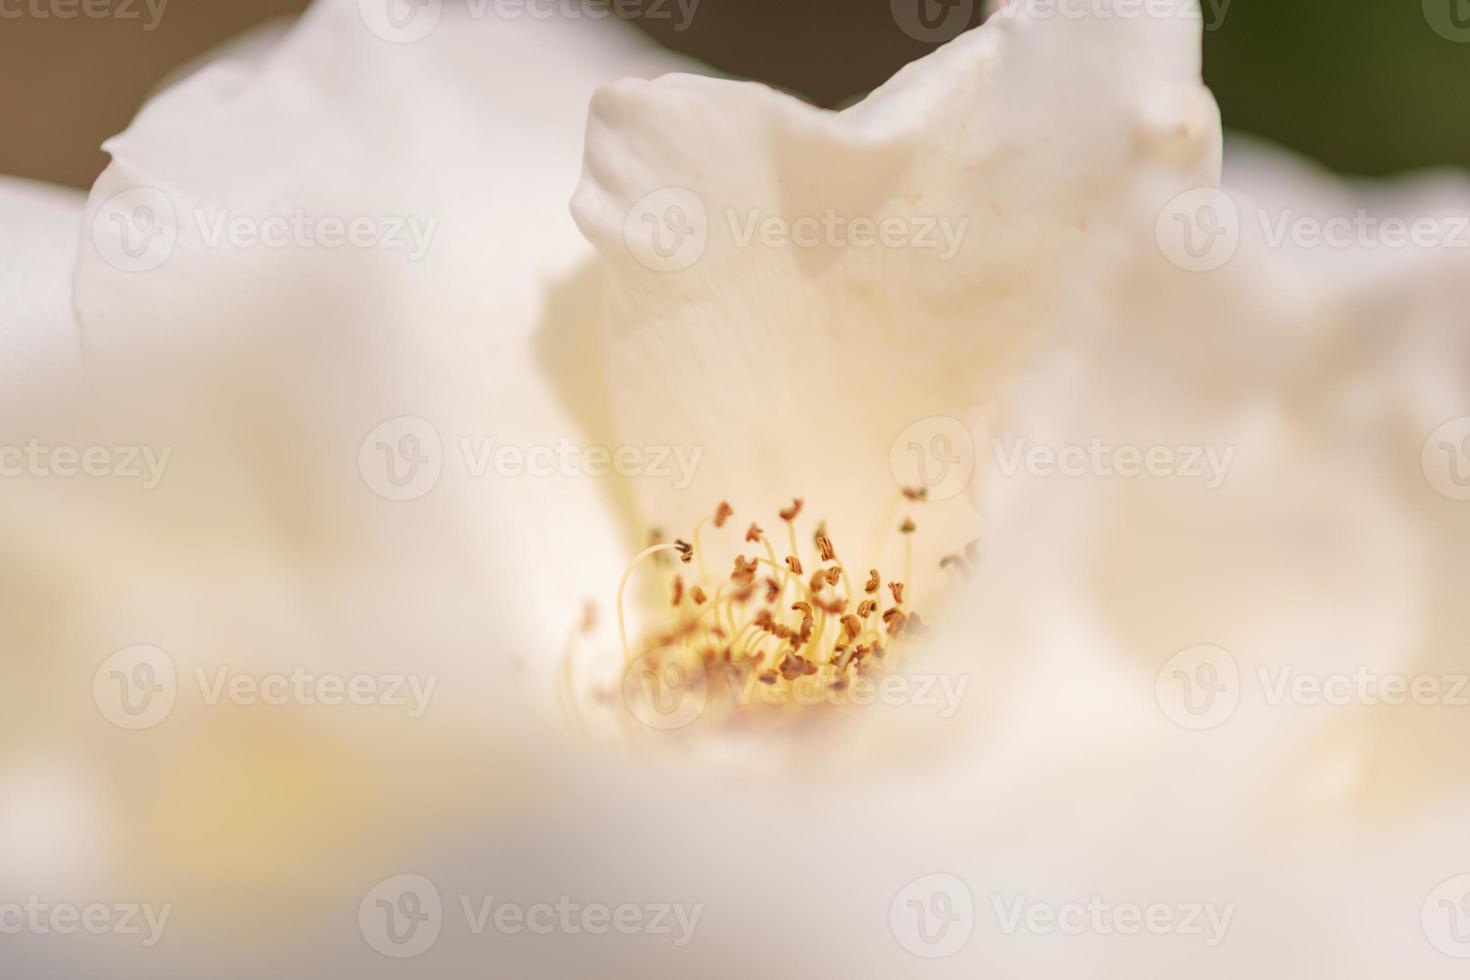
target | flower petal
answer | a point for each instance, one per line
(39, 342)
(800, 363)
(332, 399)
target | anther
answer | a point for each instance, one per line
(824, 548)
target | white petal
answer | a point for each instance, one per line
(801, 370)
(284, 377)
(39, 342)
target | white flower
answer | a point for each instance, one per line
(790, 298)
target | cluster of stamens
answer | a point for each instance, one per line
(768, 625)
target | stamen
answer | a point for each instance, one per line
(781, 626)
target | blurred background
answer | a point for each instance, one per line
(1365, 86)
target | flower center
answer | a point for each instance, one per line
(786, 629)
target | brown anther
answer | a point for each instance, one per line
(832, 607)
(804, 608)
(896, 621)
(874, 582)
(789, 514)
(916, 493)
(678, 591)
(897, 589)
(764, 620)
(833, 575)
(754, 534)
(743, 595)
(697, 594)
(723, 513)
(686, 551)
(851, 627)
(908, 526)
(768, 677)
(744, 574)
(838, 685)
(773, 590)
(793, 563)
(824, 548)
(818, 578)
(866, 607)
